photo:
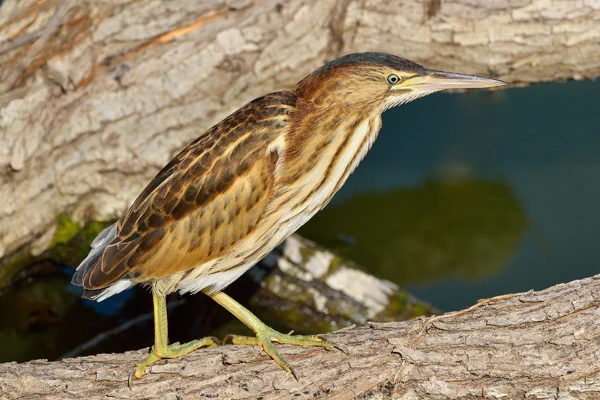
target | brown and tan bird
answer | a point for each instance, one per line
(248, 183)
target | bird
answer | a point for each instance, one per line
(245, 185)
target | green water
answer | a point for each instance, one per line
(463, 196)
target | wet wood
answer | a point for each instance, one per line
(535, 345)
(96, 96)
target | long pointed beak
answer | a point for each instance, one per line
(432, 80)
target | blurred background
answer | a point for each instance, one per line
(464, 196)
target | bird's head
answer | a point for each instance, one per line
(378, 81)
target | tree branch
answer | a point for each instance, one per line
(530, 345)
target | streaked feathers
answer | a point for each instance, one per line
(204, 202)
(236, 192)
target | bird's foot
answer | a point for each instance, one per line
(265, 336)
(172, 351)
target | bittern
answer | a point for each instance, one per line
(246, 184)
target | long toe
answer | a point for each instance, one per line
(300, 340)
(265, 336)
(172, 351)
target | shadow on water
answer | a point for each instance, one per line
(466, 229)
(464, 196)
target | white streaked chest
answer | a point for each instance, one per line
(326, 183)
(318, 186)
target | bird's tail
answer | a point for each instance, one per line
(91, 263)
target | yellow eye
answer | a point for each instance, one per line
(393, 79)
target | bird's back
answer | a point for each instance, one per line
(199, 207)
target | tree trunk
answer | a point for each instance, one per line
(96, 96)
(537, 345)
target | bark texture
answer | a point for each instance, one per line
(96, 96)
(540, 345)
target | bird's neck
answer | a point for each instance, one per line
(322, 135)
(323, 147)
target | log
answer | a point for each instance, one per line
(96, 96)
(536, 345)
(309, 289)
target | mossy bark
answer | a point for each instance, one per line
(69, 245)
(14, 264)
(71, 242)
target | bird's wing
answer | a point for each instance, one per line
(208, 198)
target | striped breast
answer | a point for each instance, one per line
(301, 199)
(349, 146)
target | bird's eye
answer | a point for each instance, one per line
(393, 79)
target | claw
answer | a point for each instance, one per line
(226, 338)
(341, 348)
(130, 381)
(172, 351)
(265, 336)
(294, 374)
(216, 341)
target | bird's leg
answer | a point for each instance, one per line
(161, 348)
(265, 336)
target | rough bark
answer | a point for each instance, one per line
(537, 345)
(95, 96)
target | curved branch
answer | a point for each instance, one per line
(534, 345)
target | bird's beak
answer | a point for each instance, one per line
(433, 81)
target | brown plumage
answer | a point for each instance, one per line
(249, 182)
(207, 199)
(238, 190)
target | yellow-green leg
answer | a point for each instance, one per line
(161, 348)
(265, 336)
